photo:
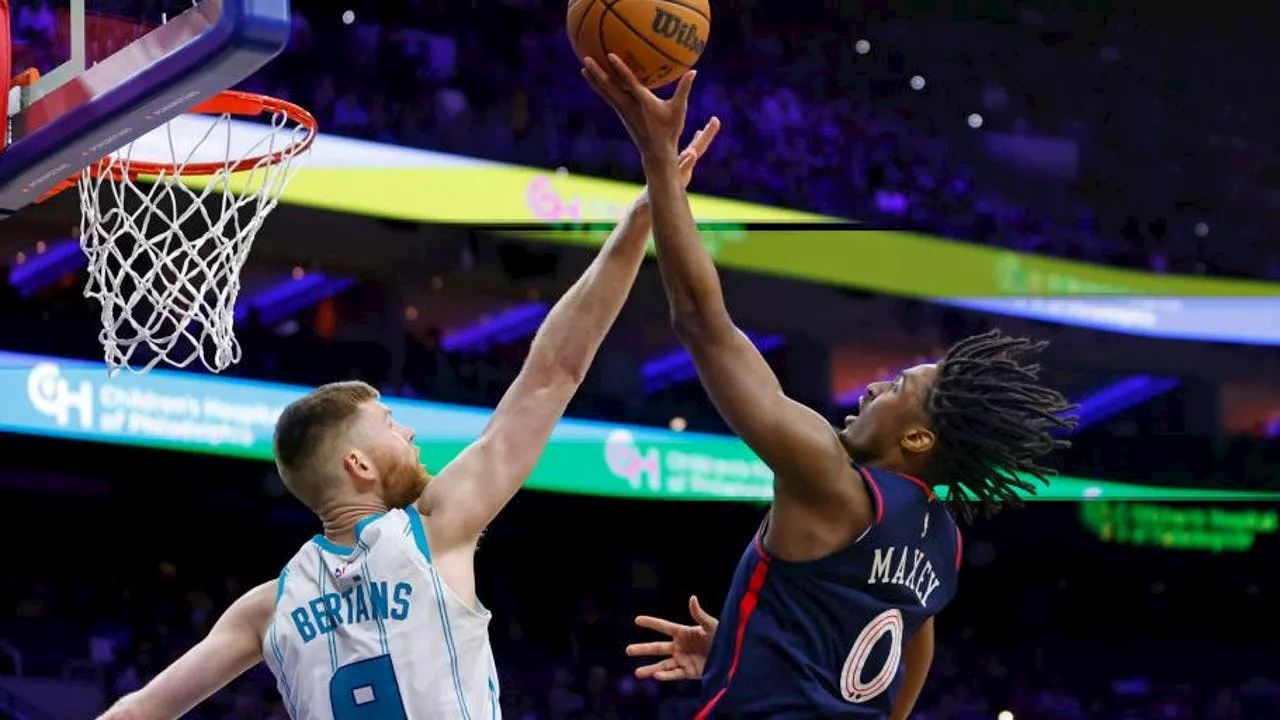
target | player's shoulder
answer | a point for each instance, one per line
(258, 602)
(891, 490)
(376, 529)
(880, 474)
(380, 523)
(395, 526)
(304, 556)
(391, 534)
(403, 526)
(903, 498)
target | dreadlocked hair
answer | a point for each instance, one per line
(994, 421)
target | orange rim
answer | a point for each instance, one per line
(227, 102)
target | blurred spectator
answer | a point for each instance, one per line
(1099, 138)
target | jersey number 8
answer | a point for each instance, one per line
(366, 690)
(852, 686)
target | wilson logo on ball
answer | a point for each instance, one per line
(673, 28)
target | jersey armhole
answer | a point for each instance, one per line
(284, 575)
(877, 497)
(959, 548)
(418, 531)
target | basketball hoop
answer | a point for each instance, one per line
(165, 254)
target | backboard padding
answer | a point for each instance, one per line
(71, 122)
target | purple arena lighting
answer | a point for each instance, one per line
(42, 270)
(1121, 395)
(291, 296)
(677, 367)
(505, 327)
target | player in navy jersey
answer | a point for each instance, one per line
(831, 609)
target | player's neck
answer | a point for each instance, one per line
(898, 464)
(340, 520)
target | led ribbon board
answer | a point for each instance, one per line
(399, 183)
(393, 182)
(1190, 527)
(75, 399)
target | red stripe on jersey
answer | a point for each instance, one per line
(745, 608)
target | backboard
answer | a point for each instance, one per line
(112, 70)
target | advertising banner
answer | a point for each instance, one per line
(187, 412)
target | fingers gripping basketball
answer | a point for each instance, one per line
(658, 39)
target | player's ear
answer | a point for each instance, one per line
(359, 465)
(918, 439)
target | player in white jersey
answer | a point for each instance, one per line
(377, 617)
(378, 626)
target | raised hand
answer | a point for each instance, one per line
(684, 654)
(653, 123)
(697, 147)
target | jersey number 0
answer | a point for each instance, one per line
(366, 690)
(852, 686)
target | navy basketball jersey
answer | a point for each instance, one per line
(824, 639)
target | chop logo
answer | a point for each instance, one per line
(626, 460)
(52, 395)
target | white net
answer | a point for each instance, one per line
(165, 252)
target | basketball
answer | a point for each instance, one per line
(658, 39)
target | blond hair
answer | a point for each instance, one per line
(306, 427)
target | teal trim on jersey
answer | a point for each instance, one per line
(280, 585)
(450, 645)
(328, 545)
(493, 699)
(419, 532)
(364, 523)
(283, 674)
(333, 636)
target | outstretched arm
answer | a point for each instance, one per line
(231, 647)
(813, 478)
(469, 492)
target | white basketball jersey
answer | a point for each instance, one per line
(373, 633)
